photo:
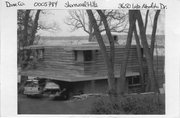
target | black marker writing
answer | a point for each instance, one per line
(152, 5)
(10, 4)
(162, 6)
(46, 4)
(83, 4)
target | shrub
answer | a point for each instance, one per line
(104, 106)
(146, 104)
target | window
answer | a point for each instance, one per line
(134, 84)
(115, 38)
(88, 56)
(133, 80)
(75, 55)
(130, 80)
(40, 54)
(136, 80)
(83, 55)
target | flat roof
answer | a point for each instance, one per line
(87, 46)
(69, 76)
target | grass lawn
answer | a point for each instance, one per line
(134, 104)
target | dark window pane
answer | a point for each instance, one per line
(88, 55)
(130, 81)
(136, 80)
(115, 38)
(75, 55)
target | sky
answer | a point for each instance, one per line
(59, 16)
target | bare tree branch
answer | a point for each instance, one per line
(26, 20)
(78, 19)
(146, 19)
(35, 26)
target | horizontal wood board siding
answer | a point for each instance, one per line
(60, 60)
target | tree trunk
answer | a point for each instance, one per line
(102, 46)
(112, 50)
(152, 84)
(34, 28)
(26, 20)
(146, 19)
(153, 36)
(25, 36)
(121, 83)
(140, 57)
(33, 33)
(91, 35)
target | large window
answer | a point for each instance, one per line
(134, 80)
(83, 55)
(88, 55)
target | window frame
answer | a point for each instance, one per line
(40, 54)
(82, 56)
(131, 81)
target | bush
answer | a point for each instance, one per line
(147, 104)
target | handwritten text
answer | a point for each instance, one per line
(14, 4)
(83, 4)
(46, 4)
(142, 6)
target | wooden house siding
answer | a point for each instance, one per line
(68, 64)
(159, 68)
(60, 63)
(59, 59)
(98, 65)
(64, 60)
